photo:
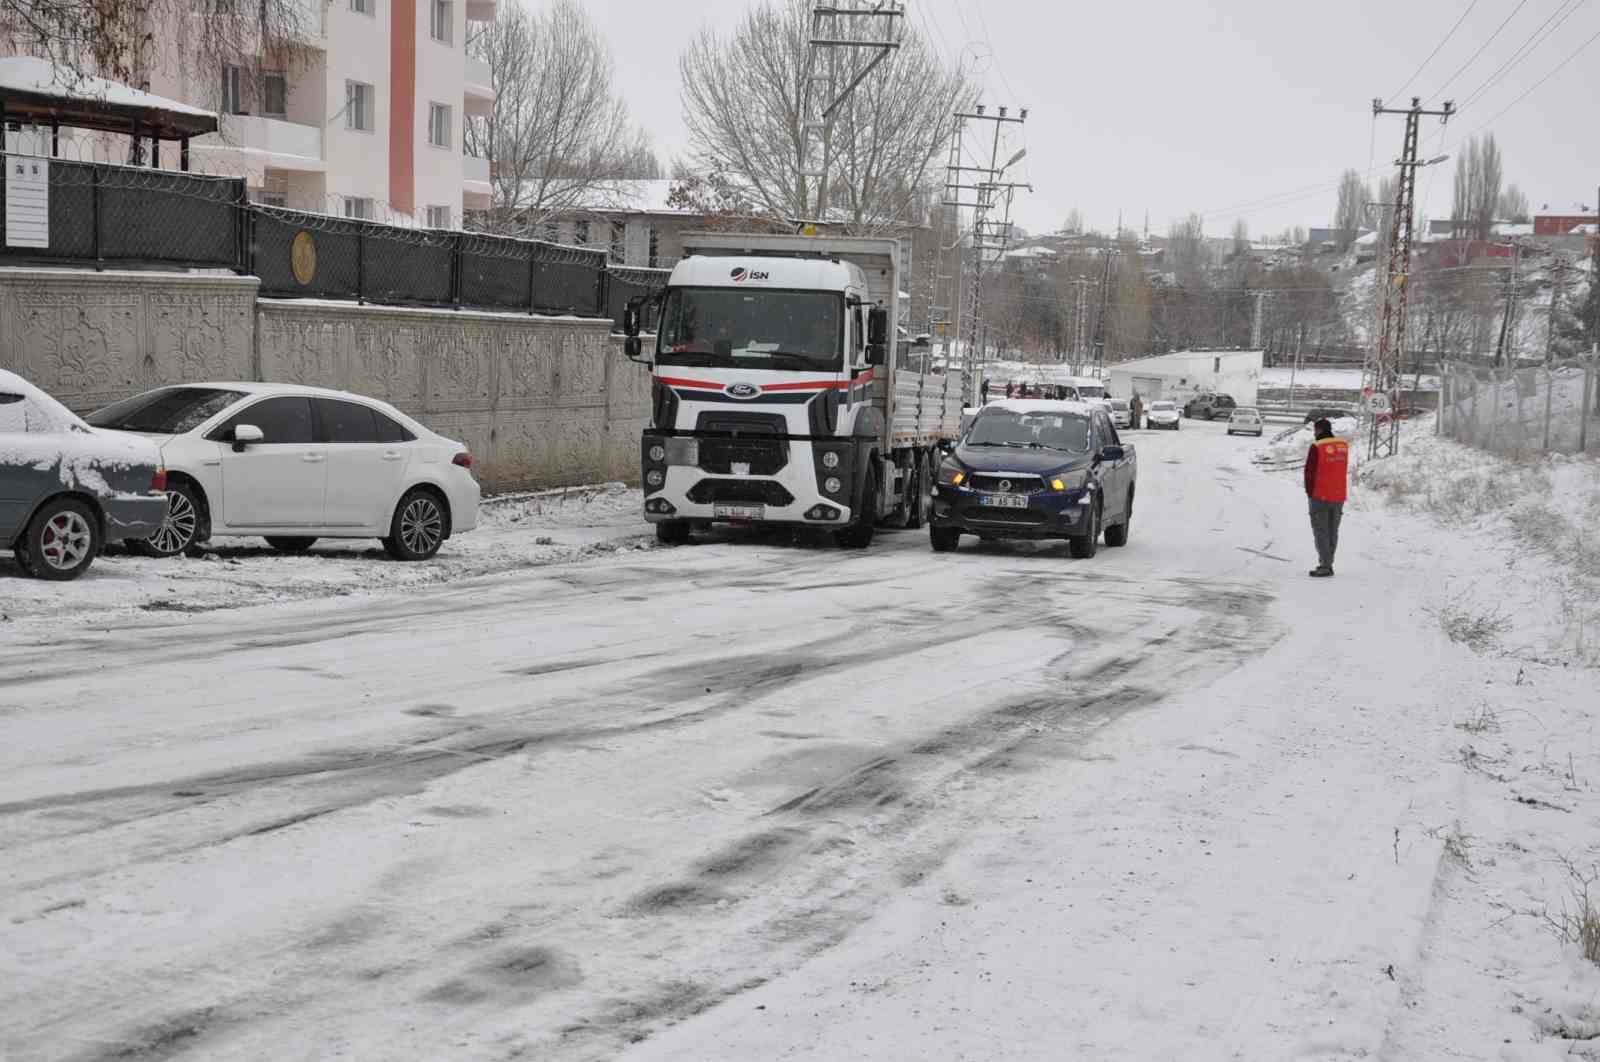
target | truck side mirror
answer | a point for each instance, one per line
(631, 314)
(875, 353)
(632, 349)
(877, 328)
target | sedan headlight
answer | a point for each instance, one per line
(952, 475)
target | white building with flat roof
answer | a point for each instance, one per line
(1185, 373)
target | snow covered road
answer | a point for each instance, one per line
(1174, 801)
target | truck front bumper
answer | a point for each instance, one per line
(679, 485)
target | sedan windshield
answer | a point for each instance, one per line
(756, 329)
(169, 411)
(1051, 431)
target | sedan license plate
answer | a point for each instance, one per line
(738, 512)
(1005, 501)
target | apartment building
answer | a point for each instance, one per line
(366, 121)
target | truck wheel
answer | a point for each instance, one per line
(859, 534)
(944, 539)
(1084, 546)
(1117, 533)
(673, 533)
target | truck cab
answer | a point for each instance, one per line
(775, 396)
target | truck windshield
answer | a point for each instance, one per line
(760, 329)
(1051, 431)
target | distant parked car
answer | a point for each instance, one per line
(67, 489)
(1209, 406)
(1162, 414)
(1121, 413)
(1245, 421)
(295, 464)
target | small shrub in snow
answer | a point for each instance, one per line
(1578, 922)
(1478, 631)
(1482, 721)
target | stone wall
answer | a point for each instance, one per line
(540, 401)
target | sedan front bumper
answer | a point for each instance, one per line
(1050, 514)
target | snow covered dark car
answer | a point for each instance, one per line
(67, 489)
(1036, 469)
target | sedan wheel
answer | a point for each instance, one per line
(183, 526)
(418, 528)
(61, 542)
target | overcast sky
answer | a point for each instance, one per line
(1214, 105)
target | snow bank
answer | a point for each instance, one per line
(1289, 447)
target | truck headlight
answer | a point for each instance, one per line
(655, 477)
(832, 485)
(830, 459)
(658, 453)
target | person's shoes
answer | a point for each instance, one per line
(1320, 572)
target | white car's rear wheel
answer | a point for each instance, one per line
(419, 527)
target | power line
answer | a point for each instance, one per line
(1429, 59)
(1528, 47)
(1535, 86)
(1481, 48)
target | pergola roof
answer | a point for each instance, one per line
(38, 90)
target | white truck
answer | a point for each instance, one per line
(781, 393)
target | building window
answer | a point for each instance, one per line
(580, 233)
(619, 241)
(270, 199)
(358, 106)
(233, 82)
(1216, 364)
(274, 95)
(363, 7)
(655, 248)
(438, 217)
(552, 232)
(439, 125)
(356, 206)
(443, 19)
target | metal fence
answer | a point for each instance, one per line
(102, 215)
(1548, 409)
(121, 215)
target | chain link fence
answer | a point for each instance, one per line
(623, 283)
(1517, 412)
(101, 214)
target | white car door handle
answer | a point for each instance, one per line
(311, 459)
(392, 455)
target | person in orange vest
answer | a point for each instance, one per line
(1327, 476)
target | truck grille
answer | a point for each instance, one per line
(1013, 484)
(766, 457)
(740, 492)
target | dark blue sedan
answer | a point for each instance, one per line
(1037, 469)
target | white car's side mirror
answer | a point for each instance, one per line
(244, 434)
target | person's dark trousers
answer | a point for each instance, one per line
(1325, 517)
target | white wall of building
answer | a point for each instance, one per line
(1183, 374)
(441, 67)
(358, 50)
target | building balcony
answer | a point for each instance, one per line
(478, 88)
(482, 10)
(476, 189)
(267, 143)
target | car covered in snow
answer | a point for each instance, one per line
(1162, 414)
(294, 464)
(1036, 469)
(67, 489)
(1245, 420)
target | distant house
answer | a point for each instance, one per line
(1560, 224)
(1183, 374)
(1337, 237)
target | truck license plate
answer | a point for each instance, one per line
(738, 512)
(1005, 501)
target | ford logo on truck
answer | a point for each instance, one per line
(741, 390)
(740, 274)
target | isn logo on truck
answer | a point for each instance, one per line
(740, 274)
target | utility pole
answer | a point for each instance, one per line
(839, 31)
(1100, 324)
(1381, 375)
(989, 238)
(1510, 305)
(1255, 325)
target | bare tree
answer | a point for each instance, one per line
(1241, 236)
(559, 138)
(1074, 222)
(122, 40)
(744, 99)
(1350, 209)
(1477, 189)
(1513, 205)
(1186, 248)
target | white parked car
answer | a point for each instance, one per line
(1162, 414)
(1121, 413)
(1245, 421)
(295, 464)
